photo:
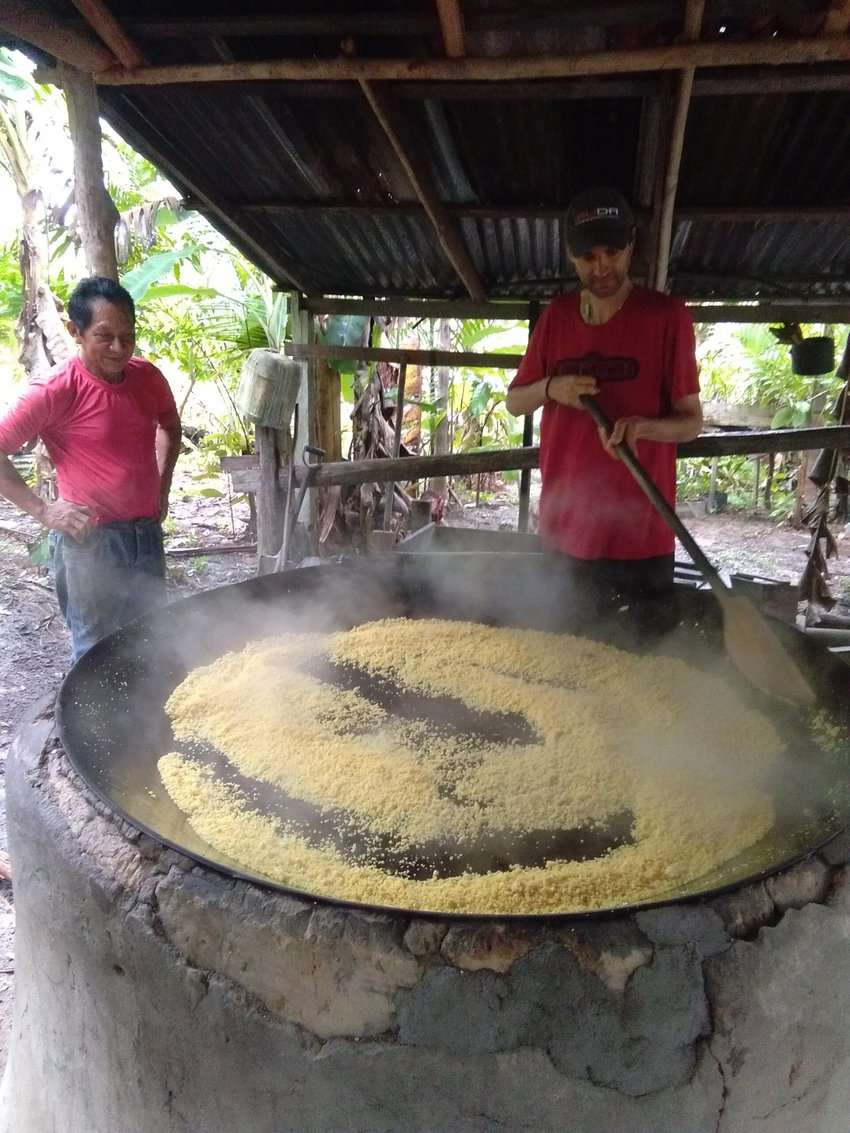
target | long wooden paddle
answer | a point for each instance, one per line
(750, 642)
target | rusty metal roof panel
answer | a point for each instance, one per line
(729, 260)
(308, 148)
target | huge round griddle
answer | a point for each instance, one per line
(114, 728)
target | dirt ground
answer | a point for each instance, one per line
(34, 652)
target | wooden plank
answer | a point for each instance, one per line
(776, 51)
(451, 26)
(407, 357)
(35, 23)
(108, 29)
(420, 178)
(499, 460)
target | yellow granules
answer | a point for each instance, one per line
(610, 732)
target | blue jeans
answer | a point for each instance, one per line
(115, 574)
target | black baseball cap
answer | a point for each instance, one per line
(599, 216)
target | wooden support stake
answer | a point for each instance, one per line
(527, 440)
(693, 23)
(109, 31)
(451, 25)
(447, 233)
(97, 214)
(399, 422)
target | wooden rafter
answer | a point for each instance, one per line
(419, 177)
(451, 25)
(675, 57)
(769, 312)
(694, 10)
(109, 31)
(33, 23)
(837, 18)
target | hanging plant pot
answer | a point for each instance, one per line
(813, 356)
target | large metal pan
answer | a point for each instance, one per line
(114, 728)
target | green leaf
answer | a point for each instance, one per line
(783, 418)
(211, 493)
(140, 279)
(39, 553)
(480, 399)
(175, 290)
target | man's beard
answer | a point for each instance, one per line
(607, 289)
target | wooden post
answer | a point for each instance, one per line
(302, 324)
(271, 498)
(399, 422)
(328, 396)
(97, 214)
(527, 440)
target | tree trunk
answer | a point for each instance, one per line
(95, 210)
(42, 336)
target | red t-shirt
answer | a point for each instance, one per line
(100, 435)
(644, 362)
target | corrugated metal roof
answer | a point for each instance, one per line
(314, 147)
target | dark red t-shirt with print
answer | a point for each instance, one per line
(644, 361)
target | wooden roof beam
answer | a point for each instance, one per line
(110, 32)
(837, 18)
(694, 11)
(444, 225)
(32, 22)
(451, 25)
(674, 57)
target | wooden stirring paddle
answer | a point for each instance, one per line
(750, 642)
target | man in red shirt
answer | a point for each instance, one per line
(632, 349)
(110, 425)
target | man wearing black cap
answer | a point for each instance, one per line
(633, 349)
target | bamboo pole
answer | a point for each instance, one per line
(420, 179)
(693, 24)
(107, 28)
(672, 57)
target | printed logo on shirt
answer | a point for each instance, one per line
(599, 366)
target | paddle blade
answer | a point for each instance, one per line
(757, 651)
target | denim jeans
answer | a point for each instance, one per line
(115, 574)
